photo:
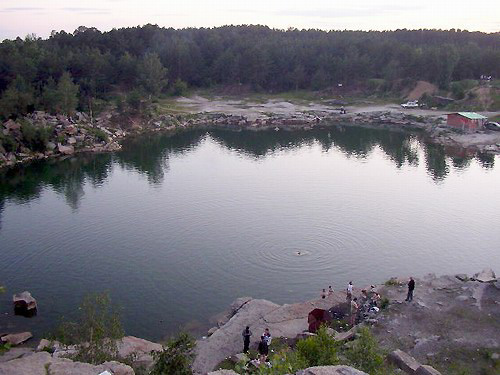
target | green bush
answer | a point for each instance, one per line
(180, 87)
(95, 332)
(392, 282)
(176, 357)
(365, 353)
(283, 362)
(384, 303)
(35, 137)
(99, 134)
(319, 350)
(134, 100)
(8, 142)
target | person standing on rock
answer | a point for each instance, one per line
(349, 291)
(330, 291)
(246, 339)
(263, 349)
(411, 288)
(267, 337)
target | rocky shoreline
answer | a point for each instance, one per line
(41, 136)
(451, 316)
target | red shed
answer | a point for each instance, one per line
(466, 120)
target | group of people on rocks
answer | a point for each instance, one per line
(264, 344)
(369, 301)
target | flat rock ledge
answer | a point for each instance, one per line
(285, 321)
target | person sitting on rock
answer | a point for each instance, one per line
(330, 290)
(263, 349)
(323, 294)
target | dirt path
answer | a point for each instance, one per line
(253, 109)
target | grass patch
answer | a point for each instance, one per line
(4, 347)
(392, 282)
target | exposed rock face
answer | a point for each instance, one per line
(17, 338)
(43, 363)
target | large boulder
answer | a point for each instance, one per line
(16, 338)
(346, 336)
(65, 150)
(139, 349)
(332, 370)
(486, 276)
(24, 301)
(403, 361)
(43, 363)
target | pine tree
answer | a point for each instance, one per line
(152, 74)
(68, 94)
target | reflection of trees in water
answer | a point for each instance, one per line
(66, 177)
(486, 160)
(357, 142)
(149, 155)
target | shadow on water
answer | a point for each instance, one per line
(149, 155)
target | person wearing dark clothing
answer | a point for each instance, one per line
(263, 349)
(246, 339)
(411, 288)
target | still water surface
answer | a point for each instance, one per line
(175, 228)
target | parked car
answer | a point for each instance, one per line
(492, 126)
(410, 104)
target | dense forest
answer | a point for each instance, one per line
(80, 70)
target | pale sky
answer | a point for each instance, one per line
(21, 17)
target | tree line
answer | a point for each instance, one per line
(88, 67)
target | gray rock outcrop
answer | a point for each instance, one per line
(16, 338)
(486, 276)
(43, 363)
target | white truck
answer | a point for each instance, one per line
(411, 104)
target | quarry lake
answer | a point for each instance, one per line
(175, 228)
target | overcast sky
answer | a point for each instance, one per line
(21, 17)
